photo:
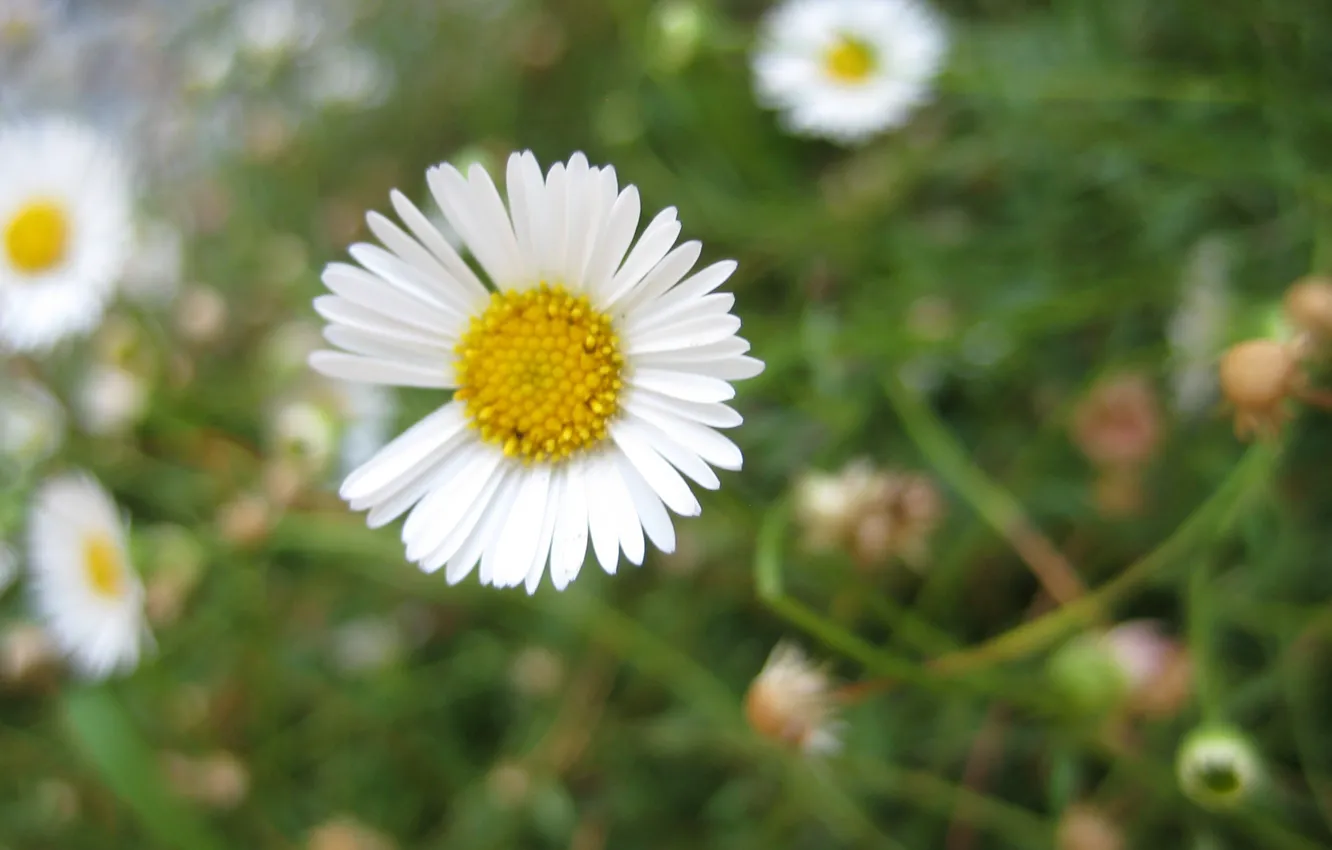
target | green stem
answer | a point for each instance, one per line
(1208, 521)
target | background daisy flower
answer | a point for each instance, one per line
(66, 230)
(84, 586)
(589, 373)
(847, 69)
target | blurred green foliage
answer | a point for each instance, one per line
(1076, 156)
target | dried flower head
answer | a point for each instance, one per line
(1156, 666)
(1308, 305)
(1257, 376)
(218, 780)
(1119, 422)
(1086, 827)
(873, 514)
(791, 702)
(344, 833)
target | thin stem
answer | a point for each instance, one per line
(994, 504)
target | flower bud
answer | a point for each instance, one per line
(1308, 306)
(1088, 675)
(1217, 768)
(1256, 377)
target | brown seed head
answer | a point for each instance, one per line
(1309, 305)
(1085, 827)
(1255, 375)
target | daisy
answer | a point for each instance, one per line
(85, 588)
(791, 701)
(847, 69)
(588, 378)
(66, 231)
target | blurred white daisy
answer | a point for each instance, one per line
(153, 273)
(85, 589)
(587, 376)
(269, 30)
(65, 220)
(847, 69)
(32, 422)
(111, 399)
(347, 75)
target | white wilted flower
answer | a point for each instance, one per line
(111, 399)
(848, 69)
(587, 377)
(791, 701)
(86, 590)
(66, 228)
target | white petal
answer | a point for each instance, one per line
(675, 454)
(657, 240)
(455, 198)
(551, 512)
(727, 369)
(350, 367)
(438, 281)
(520, 206)
(729, 347)
(654, 315)
(339, 310)
(482, 539)
(613, 241)
(701, 440)
(439, 512)
(602, 516)
(691, 334)
(406, 451)
(683, 385)
(518, 542)
(388, 347)
(569, 547)
(659, 474)
(664, 275)
(630, 529)
(435, 243)
(378, 295)
(554, 234)
(697, 285)
(578, 202)
(466, 525)
(495, 219)
(712, 415)
(651, 512)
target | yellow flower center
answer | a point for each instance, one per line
(102, 567)
(849, 60)
(36, 238)
(539, 372)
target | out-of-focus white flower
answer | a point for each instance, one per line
(201, 314)
(305, 432)
(25, 21)
(347, 75)
(1197, 333)
(111, 399)
(208, 64)
(66, 232)
(848, 69)
(272, 29)
(88, 594)
(791, 702)
(367, 645)
(32, 421)
(369, 411)
(155, 267)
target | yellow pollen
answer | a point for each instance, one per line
(539, 373)
(36, 237)
(849, 60)
(102, 566)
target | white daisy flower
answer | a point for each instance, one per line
(85, 588)
(847, 69)
(66, 230)
(587, 376)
